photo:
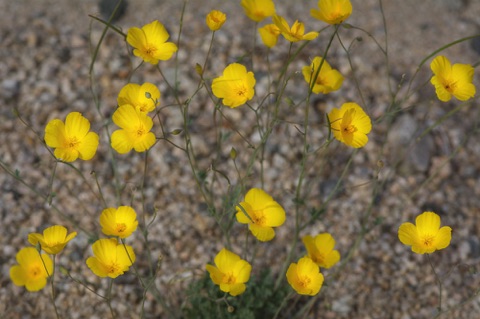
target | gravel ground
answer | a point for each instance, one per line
(44, 73)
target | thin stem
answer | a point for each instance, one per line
(439, 281)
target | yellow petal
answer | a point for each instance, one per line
(76, 125)
(55, 133)
(427, 223)
(121, 141)
(155, 33)
(136, 38)
(407, 233)
(262, 233)
(88, 146)
(443, 237)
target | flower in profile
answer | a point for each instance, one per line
(32, 270)
(426, 235)
(215, 20)
(305, 277)
(269, 34)
(235, 86)
(135, 130)
(53, 240)
(257, 10)
(350, 124)
(110, 259)
(328, 79)
(121, 222)
(230, 272)
(296, 32)
(261, 213)
(451, 80)
(143, 97)
(71, 139)
(332, 11)
(150, 44)
(320, 249)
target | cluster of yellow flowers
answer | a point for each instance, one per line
(350, 125)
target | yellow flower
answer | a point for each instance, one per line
(269, 34)
(143, 97)
(296, 32)
(328, 79)
(320, 250)
(71, 140)
(230, 272)
(149, 42)
(257, 10)
(121, 222)
(53, 240)
(261, 213)
(235, 86)
(32, 270)
(332, 11)
(135, 130)
(305, 277)
(451, 80)
(215, 19)
(426, 236)
(350, 125)
(110, 259)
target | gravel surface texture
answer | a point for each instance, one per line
(44, 73)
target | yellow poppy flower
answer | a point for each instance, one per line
(135, 130)
(71, 139)
(121, 222)
(332, 11)
(53, 240)
(328, 79)
(425, 236)
(350, 124)
(261, 213)
(32, 270)
(110, 259)
(257, 10)
(143, 97)
(235, 86)
(320, 249)
(269, 34)
(215, 20)
(296, 32)
(451, 80)
(230, 272)
(150, 44)
(305, 277)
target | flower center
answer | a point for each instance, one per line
(350, 129)
(140, 131)
(318, 259)
(450, 86)
(241, 91)
(121, 228)
(72, 143)
(150, 50)
(304, 281)
(427, 240)
(35, 271)
(113, 268)
(258, 218)
(229, 278)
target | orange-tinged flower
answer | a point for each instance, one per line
(235, 86)
(426, 235)
(121, 222)
(110, 259)
(328, 79)
(305, 277)
(257, 10)
(332, 11)
(320, 249)
(32, 270)
(135, 130)
(451, 80)
(350, 124)
(53, 239)
(296, 32)
(269, 34)
(143, 97)
(230, 272)
(150, 44)
(261, 213)
(215, 20)
(71, 139)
